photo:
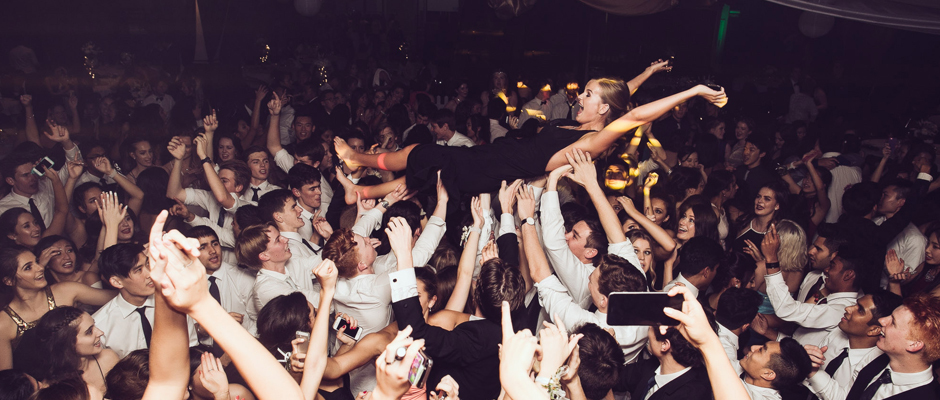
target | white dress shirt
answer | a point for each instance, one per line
(808, 282)
(761, 393)
(122, 329)
(661, 380)
(681, 279)
(571, 272)
(206, 200)
(837, 386)
(496, 130)
(910, 245)
(250, 193)
(235, 287)
(843, 176)
(270, 284)
(815, 320)
(555, 300)
(423, 248)
(44, 198)
(560, 106)
(729, 342)
(901, 382)
(457, 140)
(89, 177)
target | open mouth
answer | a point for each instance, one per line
(214, 259)
(41, 277)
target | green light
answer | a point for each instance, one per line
(723, 28)
(735, 12)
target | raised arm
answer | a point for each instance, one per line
(458, 298)
(585, 175)
(111, 213)
(260, 93)
(274, 134)
(136, 196)
(221, 195)
(61, 210)
(821, 193)
(210, 124)
(183, 284)
(73, 109)
(657, 232)
(174, 188)
(326, 274)
(534, 254)
(656, 66)
(885, 156)
(32, 131)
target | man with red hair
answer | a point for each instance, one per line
(910, 338)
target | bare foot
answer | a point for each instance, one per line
(349, 187)
(345, 153)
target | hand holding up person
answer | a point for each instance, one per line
(526, 203)
(583, 172)
(490, 251)
(507, 195)
(399, 238)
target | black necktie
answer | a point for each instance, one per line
(221, 218)
(837, 362)
(306, 243)
(814, 290)
(870, 391)
(255, 196)
(214, 289)
(145, 324)
(649, 386)
(35, 211)
(570, 109)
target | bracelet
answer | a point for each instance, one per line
(474, 229)
(772, 265)
(553, 384)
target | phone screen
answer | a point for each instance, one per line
(45, 162)
(353, 333)
(419, 369)
(641, 308)
(302, 347)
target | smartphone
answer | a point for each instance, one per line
(355, 334)
(641, 308)
(45, 162)
(893, 143)
(302, 347)
(713, 86)
(420, 369)
(670, 61)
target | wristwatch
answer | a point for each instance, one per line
(384, 203)
(206, 160)
(530, 221)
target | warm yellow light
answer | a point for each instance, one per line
(521, 85)
(655, 143)
(510, 109)
(547, 88)
(572, 86)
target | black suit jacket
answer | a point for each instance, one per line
(875, 368)
(469, 353)
(692, 385)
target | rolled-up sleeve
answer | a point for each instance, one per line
(573, 274)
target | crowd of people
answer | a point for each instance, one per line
(362, 238)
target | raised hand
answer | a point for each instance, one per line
(517, 351)
(751, 249)
(180, 210)
(490, 251)
(274, 105)
(895, 267)
(583, 168)
(26, 100)
(210, 123)
(526, 202)
(103, 165)
(770, 244)
(507, 195)
(58, 133)
(476, 211)
(391, 373)
(693, 324)
(110, 210)
(260, 93)
(322, 228)
(176, 269)
(399, 236)
(177, 148)
(47, 255)
(201, 142)
(363, 205)
(73, 100)
(326, 274)
(651, 179)
(718, 98)
(628, 206)
(212, 374)
(816, 357)
(442, 196)
(556, 346)
(659, 65)
(75, 169)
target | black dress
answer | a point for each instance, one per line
(480, 169)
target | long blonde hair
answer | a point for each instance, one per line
(616, 94)
(792, 252)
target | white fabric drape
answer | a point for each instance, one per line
(901, 14)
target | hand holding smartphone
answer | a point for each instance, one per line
(45, 162)
(641, 308)
(303, 346)
(355, 334)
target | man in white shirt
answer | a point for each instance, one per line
(736, 309)
(844, 277)
(261, 248)
(843, 176)
(32, 192)
(127, 320)
(283, 119)
(698, 260)
(540, 107)
(910, 339)
(306, 183)
(442, 127)
(160, 96)
(774, 366)
(910, 244)
(310, 151)
(851, 347)
(259, 162)
(821, 252)
(227, 186)
(565, 104)
(228, 284)
(281, 208)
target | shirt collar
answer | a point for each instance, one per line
(724, 331)
(911, 379)
(262, 186)
(663, 380)
(688, 284)
(21, 199)
(272, 274)
(842, 295)
(292, 236)
(220, 273)
(126, 309)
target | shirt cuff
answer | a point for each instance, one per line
(925, 176)
(403, 283)
(817, 381)
(507, 224)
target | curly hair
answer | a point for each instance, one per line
(925, 324)
(343, 250)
